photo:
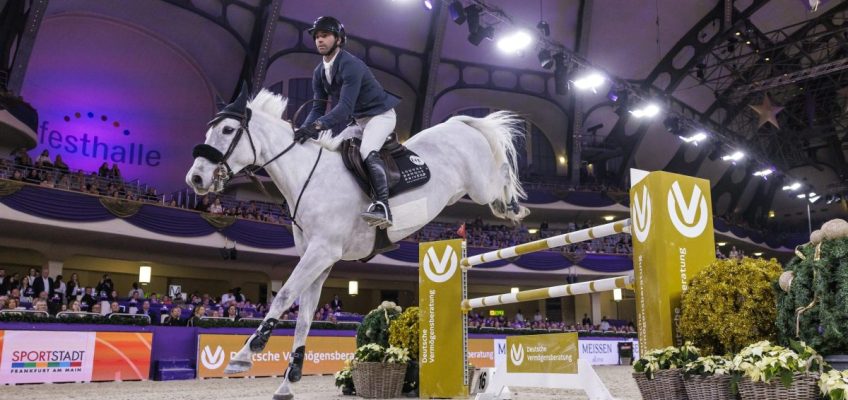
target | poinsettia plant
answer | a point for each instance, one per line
(708, 366)
(764, 361)
(834, 385)
(668, 358)
(373, 352)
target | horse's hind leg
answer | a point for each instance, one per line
(308, 304)
(315, 261)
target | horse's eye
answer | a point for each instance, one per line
(228, 130)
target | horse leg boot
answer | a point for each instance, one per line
(378, 213)
(255, 343)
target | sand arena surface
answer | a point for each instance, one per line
(617, 378)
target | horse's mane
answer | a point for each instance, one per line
(268, 102)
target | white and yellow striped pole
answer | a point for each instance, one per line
(601, 285)
(565, 239)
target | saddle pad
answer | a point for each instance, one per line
(413, 171)
(405, 169)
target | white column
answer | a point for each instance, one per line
(55, 268)
(596, 308)
(275, 286)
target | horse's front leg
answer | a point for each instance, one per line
(308, 304)
(317, 259)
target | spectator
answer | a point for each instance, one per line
(41, 305)
(114, 308)
(586, 320)
(537, 317)
(33, 273)
(145, 309)
(17, 176)
(22, 158)
(115, 173)
(75, 306)
(605, 325)
(97, 309)
(27, 293)
(173, 319)
(136, 289)
(519, 317)
(4, 282)
(60, 165)
(135, 299)
(90, 299)
(198, 313)
(216, 314)
(226, 298)
(44, 283)
(74, 289)
(216, 207)
(232, 312)
(238, 296)
(43, 161)
(336, 304)
(61, 289)
(204, 205)
(105, 286)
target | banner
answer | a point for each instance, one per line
(324, 355)
(599, 352)
(48, 357)
(672, 229)
(481, 353)
(554, 353)
(441, 281)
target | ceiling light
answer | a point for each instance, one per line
(609, 218)
(736, 156)
(546, 60)
(481, 33)
(647, 111)
(764, 173)
(428, 4)
(793, 187)
(533, 231)
(721, 244)
(457, 12)
(544, 28)
(590, 81)
(758, 254)
(515, 42)
(801, 195)
(696, 138)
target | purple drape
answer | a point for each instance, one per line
(57, 204)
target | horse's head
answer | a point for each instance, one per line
(229, 148)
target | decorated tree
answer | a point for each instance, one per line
(730, 304)
(813, 296)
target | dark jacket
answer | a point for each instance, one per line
(354, 91)
(38, 287)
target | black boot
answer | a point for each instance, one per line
(378, 213)
(295, 369)
(260, 338)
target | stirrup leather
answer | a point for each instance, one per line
(260, 338)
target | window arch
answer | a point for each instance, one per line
(544, 158)
(519, 141)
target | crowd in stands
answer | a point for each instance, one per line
(41, 292)
(480, 234)
(538, 321)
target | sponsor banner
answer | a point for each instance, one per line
(672, 228)
(443, 344)
(599, 352)
(554, 353)
(122, 356)
(481, 353)
(46, 357)
(324, 355)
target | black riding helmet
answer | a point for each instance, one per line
(328, 24)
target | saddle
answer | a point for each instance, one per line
(404, 170)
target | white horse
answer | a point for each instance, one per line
(466, 155)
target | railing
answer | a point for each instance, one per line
(130, 316)
(44, 314)
(76, 314)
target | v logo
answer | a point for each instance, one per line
(678, 206)
(212, 360)
(516, 354)
(440, 269)
(641, 215)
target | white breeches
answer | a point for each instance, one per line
(375, 130)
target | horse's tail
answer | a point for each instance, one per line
(500, 128)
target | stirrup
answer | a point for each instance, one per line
(376, 218)
(260, 338)
(295, 369)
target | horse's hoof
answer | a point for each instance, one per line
(283, 396)
(237, 367)
(257, 341)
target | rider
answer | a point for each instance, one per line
(357, 95)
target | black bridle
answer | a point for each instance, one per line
(223, 172)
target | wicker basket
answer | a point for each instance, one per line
(804, 386)
(374, 380)
(667, 384)
(712, 387)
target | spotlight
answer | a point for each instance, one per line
(672, 125)
(591, 81)
(428, 4)
(647, 111)
(560, 74)
(715, 153)
(544, 28)
(812, 197)
(764, 173)
(545, 59)
(457, 13)
(472, 15)
(515, 42)
(793, 187)
(696, 138)
(736, 156)
(482, 33)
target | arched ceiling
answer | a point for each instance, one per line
(654, 46)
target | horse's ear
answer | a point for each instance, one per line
(220, 103)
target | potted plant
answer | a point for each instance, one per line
(709, 378)
(775, 372)
(834, 385)
(378, 372)
(403, 333)
(344, 379)
(657, 373)
(375, 325)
